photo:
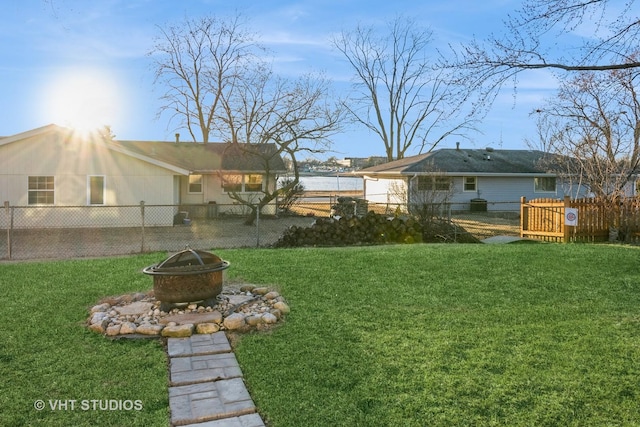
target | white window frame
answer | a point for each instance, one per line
(90, 189)
(475, 184)
(40, 190)
(536, 185)
(245, 180)
(200, 182)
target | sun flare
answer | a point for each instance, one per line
(83, 99)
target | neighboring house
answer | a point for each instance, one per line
(466, 179)
(53, 166)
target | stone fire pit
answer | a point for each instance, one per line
(187, 277)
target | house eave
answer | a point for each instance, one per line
(245, 171)
(486, 174)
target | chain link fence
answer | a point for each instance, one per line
(47, 232)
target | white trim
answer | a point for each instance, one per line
(104, 190)
(475, 179)
(52, 191)
(201, 184)
(554, 191)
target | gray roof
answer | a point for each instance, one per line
(467, 162)
(193, 157)
(210, 157)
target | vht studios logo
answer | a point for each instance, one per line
(88, 405)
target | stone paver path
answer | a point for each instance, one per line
(206, 388)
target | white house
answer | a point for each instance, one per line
(483, 178)
(53, 166)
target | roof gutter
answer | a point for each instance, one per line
(390, 174)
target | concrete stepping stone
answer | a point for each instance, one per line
(251, 420)
(198, 345)
(197, 369)
(196, 403)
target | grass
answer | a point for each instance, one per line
(448, 335)
(47, 354)
(378, 336)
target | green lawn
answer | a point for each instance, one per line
(378, 336)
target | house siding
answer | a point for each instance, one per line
(502, 193)
(132, 172)
(128, 181)
(212, 191)
(385, 190)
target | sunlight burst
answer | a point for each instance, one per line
(82, 99)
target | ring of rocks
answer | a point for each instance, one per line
(138, 315)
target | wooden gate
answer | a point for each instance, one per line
(544, 219)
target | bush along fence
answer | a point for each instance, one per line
(588, 220)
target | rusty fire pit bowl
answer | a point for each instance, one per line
(188, 276)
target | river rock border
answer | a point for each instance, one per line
(138, 315)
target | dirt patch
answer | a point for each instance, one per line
(482, 225)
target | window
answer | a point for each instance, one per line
(41, 190)
(195, 183)
(242, 183)
(232, 183)
(470, 183)
(96, 190)
(253, 183)
(438, 183)
(545, 184)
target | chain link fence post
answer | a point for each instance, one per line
(9, 212)
(258, 226)
(142, 230)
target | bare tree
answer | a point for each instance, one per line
(398, 95)
(530, 40)
(595, 121)
(297, 116)
(199, 62)
(427, 197)
(217, 83)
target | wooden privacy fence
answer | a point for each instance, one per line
(597, 220)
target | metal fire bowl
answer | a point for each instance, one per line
(182, 284)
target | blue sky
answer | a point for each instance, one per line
(75, 57)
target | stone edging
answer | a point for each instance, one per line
(138, 315)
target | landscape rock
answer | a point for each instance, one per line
(282, 306)
(243, 309)
(97, 327)
(113, 330)
(269, 318)
(271, 295)
(98, 317)
(276, 313)
(128, 328)
(207, 328)
(235, 321)
(147, 329)
(100, 307)
(247, 288)
(253, 320)
(178, 331)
